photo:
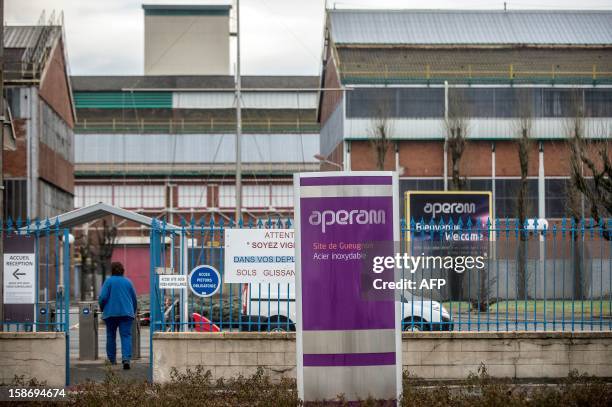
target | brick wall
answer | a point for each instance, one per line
(54, 87)
(431, 355)
(15, 162)
(40, 355)
(426, 158)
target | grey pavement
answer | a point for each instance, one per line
(82, 370)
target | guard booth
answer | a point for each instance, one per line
(54, 313)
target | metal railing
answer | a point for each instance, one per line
(558, 279)
(357, 73)
(180, 126)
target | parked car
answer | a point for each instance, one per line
(271, 307)
(424, 314)
(144, 318)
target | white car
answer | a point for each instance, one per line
(271, 307)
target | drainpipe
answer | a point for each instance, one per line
(541, 184)
(493, 170)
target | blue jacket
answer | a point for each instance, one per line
(118, 298)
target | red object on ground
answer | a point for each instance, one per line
(203, 324)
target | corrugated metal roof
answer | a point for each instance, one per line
(110, 83)
(454, 27)
(23, 36)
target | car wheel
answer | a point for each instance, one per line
(279, 324)
(414, 325)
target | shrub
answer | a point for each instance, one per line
(197, 387)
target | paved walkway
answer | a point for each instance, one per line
(82, 371)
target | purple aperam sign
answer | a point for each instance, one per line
(346, 343)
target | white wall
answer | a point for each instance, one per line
(187, 45)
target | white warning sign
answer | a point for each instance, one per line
(19, 278)
(172, 281)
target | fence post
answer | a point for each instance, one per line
(66, 298)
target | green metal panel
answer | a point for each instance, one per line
(187, 12)
(123, 100)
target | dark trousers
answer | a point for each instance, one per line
(125, 331)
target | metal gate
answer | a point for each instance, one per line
(51, 303)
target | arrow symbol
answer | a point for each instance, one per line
(15, 274)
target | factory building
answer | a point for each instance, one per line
(164, 143)
(39, 111)
(416, 72)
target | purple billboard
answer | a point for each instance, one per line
(346, 343)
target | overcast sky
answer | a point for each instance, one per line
(105, 37)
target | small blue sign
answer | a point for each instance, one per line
(204, 281)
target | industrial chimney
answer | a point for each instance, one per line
(187, 39)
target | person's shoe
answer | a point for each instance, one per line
(126, 365)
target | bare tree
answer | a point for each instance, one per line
(380, 133)
(88, 266)
(590, 184)
(456, 126)
(107, 239)
(524, 143)
(590, 174)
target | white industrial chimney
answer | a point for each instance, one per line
(187, 39)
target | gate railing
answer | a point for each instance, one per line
(555, 278)
(52, 275)
(51, 308)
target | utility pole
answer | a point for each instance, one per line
(238, 121)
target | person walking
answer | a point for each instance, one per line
(118, 304)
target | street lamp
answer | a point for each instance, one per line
(322, 159)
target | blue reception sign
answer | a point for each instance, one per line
(204, 281)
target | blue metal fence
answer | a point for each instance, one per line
(557, 278)
(51, 309)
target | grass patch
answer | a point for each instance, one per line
(598, 308)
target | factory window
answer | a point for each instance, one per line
(556, 197)
(85, 195)
(477, 102)
(598, 102)
(256, 196)
(128, 196)
(192, 196)
(416, 184)
(419, 102)
(395, 102)
(227, 196)
(506, 194)
(139, 196)
(282, 196)
(153, 196)
(15, 199)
